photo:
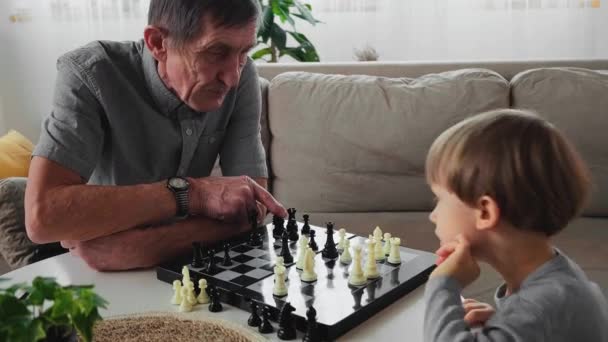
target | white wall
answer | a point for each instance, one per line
(398, 29)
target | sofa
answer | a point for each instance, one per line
(346, 142)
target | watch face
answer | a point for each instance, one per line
(178, 183)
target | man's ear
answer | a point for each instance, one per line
(156, 41)
(487, 213)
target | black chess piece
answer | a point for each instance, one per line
(255, 239)
(312, 331)
(330, 251)
(266, 327)
(285, 253)
(279, 226)
(215, 305)
(312, 243)
(210, 267)
(287, 329)
(227, 261)
(306, 227)
(197, 256)
(254, 320)
(292, 225)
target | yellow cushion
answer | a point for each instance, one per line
(15, 154)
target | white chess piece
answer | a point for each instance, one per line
(342, 235)
(309, 274)
(302, 245)
(186, 276)
(378, 250)
(356, 276)
(394, 256)
(279, 289)
(387, 244)
(279, 264)
(378, 233)
(345, 257)
(188, 299)
(371, 270)
(177, 293)
(203, 297)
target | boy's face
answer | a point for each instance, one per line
(451, 216)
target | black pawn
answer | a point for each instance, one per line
(254, 320)
(265, 327)
(306, 227)
(210, 268)
(197, 255)
(278, 223)
(215, 305)
(330, 251)
(312, 243)
(227, 261)
(287, 330)
(285, 253)
(312, 331)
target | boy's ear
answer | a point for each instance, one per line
(487, 213)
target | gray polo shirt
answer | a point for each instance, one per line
(114, 122)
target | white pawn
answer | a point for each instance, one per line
(177, 293)
(342, 235)
(371, 270)
(279, 289)
(387, 244)
(302, 245)
(187, 302)
(203, 297)
(378, 250)
(345, 257)
(395, 257)
(356, 276)
(309, 274)
(378, 233)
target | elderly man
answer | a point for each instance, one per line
(121, 172)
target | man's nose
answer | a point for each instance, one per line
(231, 72)
(432, 216)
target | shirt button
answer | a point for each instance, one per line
(211, 140)
(188, 131)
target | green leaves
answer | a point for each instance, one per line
(274, 35)
(52, 305)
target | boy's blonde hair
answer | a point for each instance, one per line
(520, 160)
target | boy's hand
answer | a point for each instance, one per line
(455, 260)
(476, 313)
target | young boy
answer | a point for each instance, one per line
(505, 182)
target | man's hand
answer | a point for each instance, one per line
(476, 313)
(231, 199)
(456, 261)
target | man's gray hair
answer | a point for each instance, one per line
(182, 19)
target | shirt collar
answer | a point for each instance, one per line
(163, 97)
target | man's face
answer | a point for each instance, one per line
(205, 69)
(451, 216)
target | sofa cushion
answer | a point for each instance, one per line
(576, 101)
(15, 246)
(15, 154)
(358, 143)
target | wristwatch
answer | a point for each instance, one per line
(179, 186)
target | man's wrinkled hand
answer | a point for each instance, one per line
(457, 261)
(476, 313)
(231, 199)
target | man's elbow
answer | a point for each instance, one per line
(37, 225)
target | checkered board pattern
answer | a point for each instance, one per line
(340, 306)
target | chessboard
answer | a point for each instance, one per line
(340, 306)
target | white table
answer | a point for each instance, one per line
(139, 291)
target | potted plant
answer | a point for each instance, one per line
(273, 38)
(48, 311)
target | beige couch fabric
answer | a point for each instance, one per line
(15, 246)
(358, 143)
(576, 101)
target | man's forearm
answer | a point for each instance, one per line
(147, 247)
(85, 212)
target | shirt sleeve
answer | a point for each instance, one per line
(444, 318)
(242, 152)
(72, 134)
